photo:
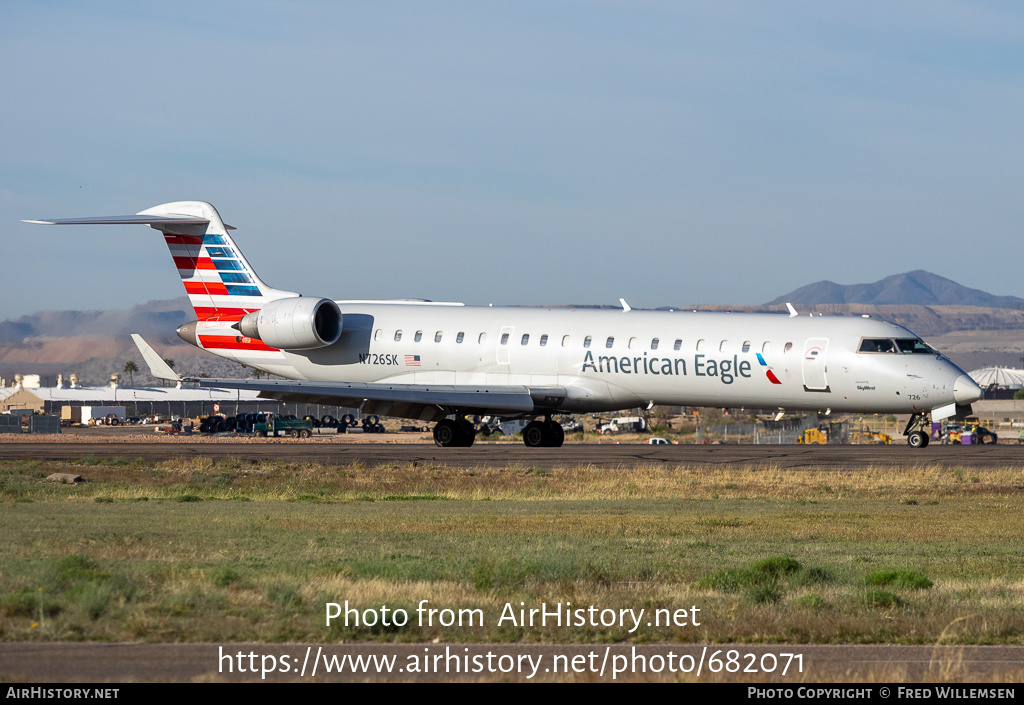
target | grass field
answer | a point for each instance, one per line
(197, 550)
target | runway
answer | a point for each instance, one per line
(509, 455)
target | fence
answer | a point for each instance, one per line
(763, 433)
(44, 424)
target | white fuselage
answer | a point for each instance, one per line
(615, 359)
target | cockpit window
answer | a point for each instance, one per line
(914, 346)
(877, 345)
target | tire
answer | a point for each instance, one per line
(556, 435)
(305, 433)
(446, 433)
(917, 439)
(534, 435)
(467, 434)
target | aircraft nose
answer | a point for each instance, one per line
(966, 390)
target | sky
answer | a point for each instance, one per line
(554, 152)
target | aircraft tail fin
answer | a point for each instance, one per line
(157, 367)
(219, 281)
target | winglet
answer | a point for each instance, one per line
(625, 306)
(792, 311)
(157, 367)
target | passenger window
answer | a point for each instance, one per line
(377, 334)
(460, 337)
(544, 340)
(526, 338)
(632, 343)
(723, 345)
(437, 337)
(565, 341)
(654, 344)
(766, 347)
(746, 346)
(398, 335)
(610, 342)
(419, 336)
(700, 345)
(481, 339)
(504, 338)
(789, 346)
(586, 342)
(678, 345)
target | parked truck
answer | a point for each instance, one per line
(623, 424)
(287, 425)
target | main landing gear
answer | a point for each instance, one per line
(915, 432)
(543, 434)
(459, 433)
(454, 433)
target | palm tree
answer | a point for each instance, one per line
(131, 368)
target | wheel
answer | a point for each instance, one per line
(467, 434)
(556, 435)
(446, 433)
(294, 433)
(305, 433)
(534, 435)
(917, 439)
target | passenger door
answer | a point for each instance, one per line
(814, 365)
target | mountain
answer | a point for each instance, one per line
(976, 328)
(918, 288)
(152, 317)
(96, 344)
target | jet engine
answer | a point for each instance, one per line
(296, 323)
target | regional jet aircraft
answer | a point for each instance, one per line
(440, 362)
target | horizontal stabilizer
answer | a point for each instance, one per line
(157, 367)
(153, 220)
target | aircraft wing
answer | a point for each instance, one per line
(426, 402)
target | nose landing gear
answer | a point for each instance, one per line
(917, 437)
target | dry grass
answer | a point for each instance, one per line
(266, 545)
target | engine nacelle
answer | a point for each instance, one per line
(296, 323)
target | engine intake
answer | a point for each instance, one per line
(296, 323)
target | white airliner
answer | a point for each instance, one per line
(442, 361)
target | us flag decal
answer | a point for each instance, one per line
(412, 360)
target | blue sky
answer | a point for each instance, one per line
(670, 153)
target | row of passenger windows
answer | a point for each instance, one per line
(633, 344)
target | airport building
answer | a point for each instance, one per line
(188, 402)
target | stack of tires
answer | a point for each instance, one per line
(372, 424)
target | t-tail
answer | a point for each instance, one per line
(220, 283)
